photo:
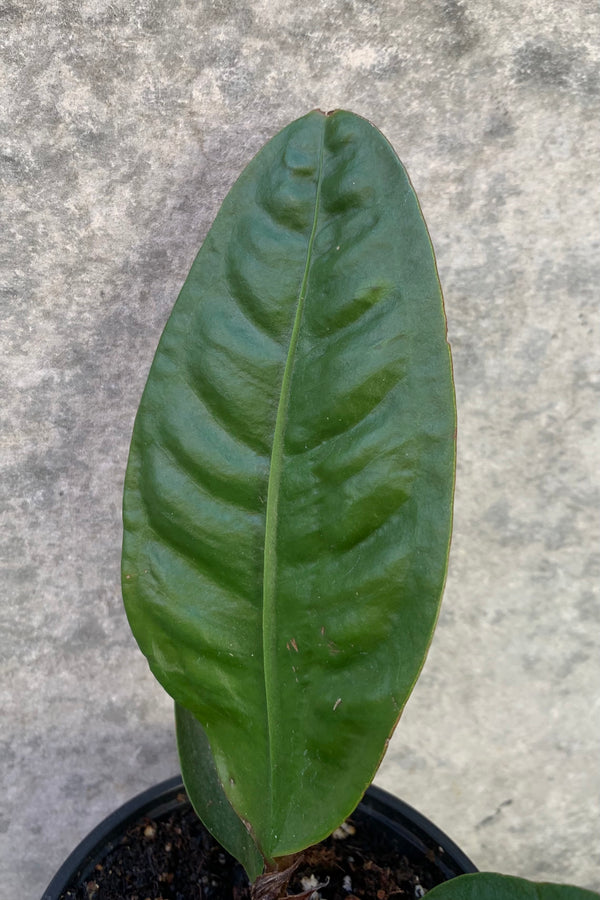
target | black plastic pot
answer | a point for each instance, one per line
(415, 836)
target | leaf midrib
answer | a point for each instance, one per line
(275, 472)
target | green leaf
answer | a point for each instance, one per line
(207, 795)
(489, 886)
(288, 497)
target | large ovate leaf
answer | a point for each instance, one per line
(288, 496)
(490, 886)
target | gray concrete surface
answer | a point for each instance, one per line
(124, 124)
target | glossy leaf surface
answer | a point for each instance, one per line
(490, 886)
(288, 496)
(207, 795)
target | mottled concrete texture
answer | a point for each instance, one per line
(124, 124)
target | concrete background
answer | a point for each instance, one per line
(124, 125)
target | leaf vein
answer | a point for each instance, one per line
(215, 409)
(275, 474)
(199, 477)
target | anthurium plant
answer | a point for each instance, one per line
(288, 497)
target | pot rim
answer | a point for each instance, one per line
(163, 797)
